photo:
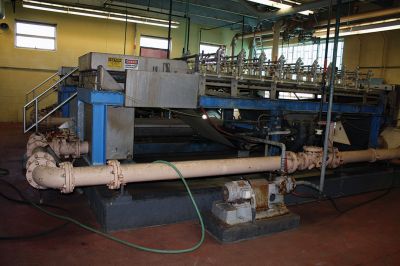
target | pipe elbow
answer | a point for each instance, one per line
(49, 177)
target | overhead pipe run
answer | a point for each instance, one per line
(350, 18)
(114, 175)
(367, 15)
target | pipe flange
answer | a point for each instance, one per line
(314, 156)
(117, 173)
(303, 161)
(375, 156)
(40, 154)
(292, 162)
(35, 162)
(312, 149)
(69, 185)
(335, 158)
(34, 143)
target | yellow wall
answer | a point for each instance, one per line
(21, 69)
(381, 49)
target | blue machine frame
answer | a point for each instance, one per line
(375, 111)
(64, 93)
(101, 99)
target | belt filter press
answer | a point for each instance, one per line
(258, 125)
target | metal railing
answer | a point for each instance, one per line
(36, 99)
(33, 91)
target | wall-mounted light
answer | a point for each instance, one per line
(95, 13)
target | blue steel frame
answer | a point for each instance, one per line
(375, 111)
(64, 93)
(99, 101)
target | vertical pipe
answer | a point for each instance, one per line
(126, 24)
(242, 31)
(331, 92)
(275, 42)
(188, 34)
(169, 29)
(201, 30)
(36, 115)
(325, 61)
(24, 118)
(327, 37)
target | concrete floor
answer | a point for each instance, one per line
(369, 235)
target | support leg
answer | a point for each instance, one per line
(374, 132)
(99, 121)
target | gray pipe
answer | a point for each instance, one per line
(330, 103)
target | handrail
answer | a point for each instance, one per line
(49, 113)
(37, 86)
(51, 87)
(36, 100)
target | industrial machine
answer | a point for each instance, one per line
(261, 116)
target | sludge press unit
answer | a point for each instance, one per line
(249, 132)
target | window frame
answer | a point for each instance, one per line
(16, 34)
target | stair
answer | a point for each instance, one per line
(37, 94)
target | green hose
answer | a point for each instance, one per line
(132, 245)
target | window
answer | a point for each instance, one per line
(35, 35)
(155, 47)
(209, 48)
(267, 51)
(307, 52)
(154, 42)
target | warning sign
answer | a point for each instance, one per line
(132, 64)
(114, 62)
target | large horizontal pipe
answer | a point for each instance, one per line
(114, 174)
(370, 155)
(49, 177)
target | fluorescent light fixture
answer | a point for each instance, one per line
(281, 5)
(384, 28)
(363, 28)
(94, 13)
